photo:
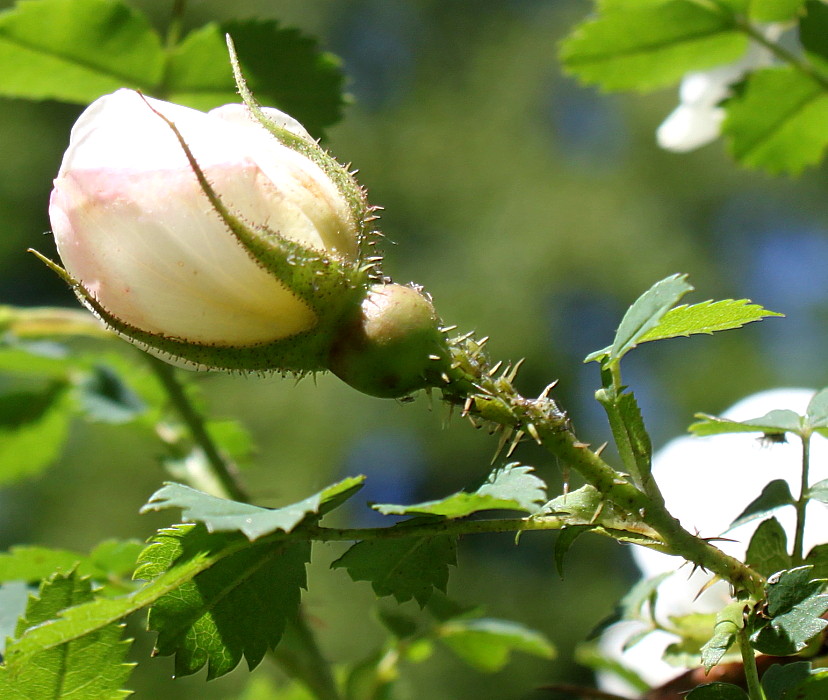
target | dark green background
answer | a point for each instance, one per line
(534, 211)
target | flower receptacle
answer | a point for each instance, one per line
(394, 346)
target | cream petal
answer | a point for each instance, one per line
(151, 250)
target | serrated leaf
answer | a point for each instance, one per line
(772, 423)
(813, 28)
(485, 644)
(224, 515)
(795, 604)
(644, 46)
(728, 623)
(644, 315)
(767, 552)
(776, 494)
(513, 487)
(237, 607)
(776, 122)
(410, 567)
(717, 691)
(774, 10)
(103, 396)
(89, 667)
(33, 428)
(283, 67)
(76, 50)
(564, 541)
(706, 317)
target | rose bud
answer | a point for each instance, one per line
(207, 239)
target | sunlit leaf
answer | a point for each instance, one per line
(776, 494)
(644, 46)
(91, 666)
(767, 552)
(224, 515)
(728, 623)
(777, 122)
(513, 487)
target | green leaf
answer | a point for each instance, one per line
(818, 558)
(776, 123)
(773, 423)
(485, 644)
(513, 487)
(767, 552)
(565, 540)
(776, 494)
(590, 656)
(774, 10)
(694, 632)
(778, 680)
(706, 317)
(795, 603)
(112, 559)
(410, 567)
(89, 667)
(223, 515)
(644, 46)
(33, 428)
(643, 316)
(237, 607)
(76, 50)
(717, 691)
(817, 412)
(813, 29)
(728, 623)
(283, 67)
(819, 491)
(104, 397)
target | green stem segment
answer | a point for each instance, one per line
(798, 554)
(223, 470)
(754, 687)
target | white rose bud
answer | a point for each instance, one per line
(262, 285)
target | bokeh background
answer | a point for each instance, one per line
(534, 210)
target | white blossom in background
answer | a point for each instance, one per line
(698, 119)
(707, 483)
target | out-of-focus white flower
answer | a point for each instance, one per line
(707, 483)
(138, 234)
(698, 118)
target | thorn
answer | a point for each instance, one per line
(597, 513)
(600, 449)
(515, 442)
(545, 393)
(580, 445)
(447, 329)
(707, 585)
(434, 357)
(504, 438)
(467, 406)
(533, 431)
(493, 370)
(464, 337)
(483, 341)
(445, 378)
(515, 369)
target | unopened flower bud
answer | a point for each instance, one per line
(394, 347)
(204, 238)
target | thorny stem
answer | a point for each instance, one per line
(222, 469)
(798, 554)
(754, 687)
(472, 383)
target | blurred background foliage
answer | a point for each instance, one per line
(534, 211)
